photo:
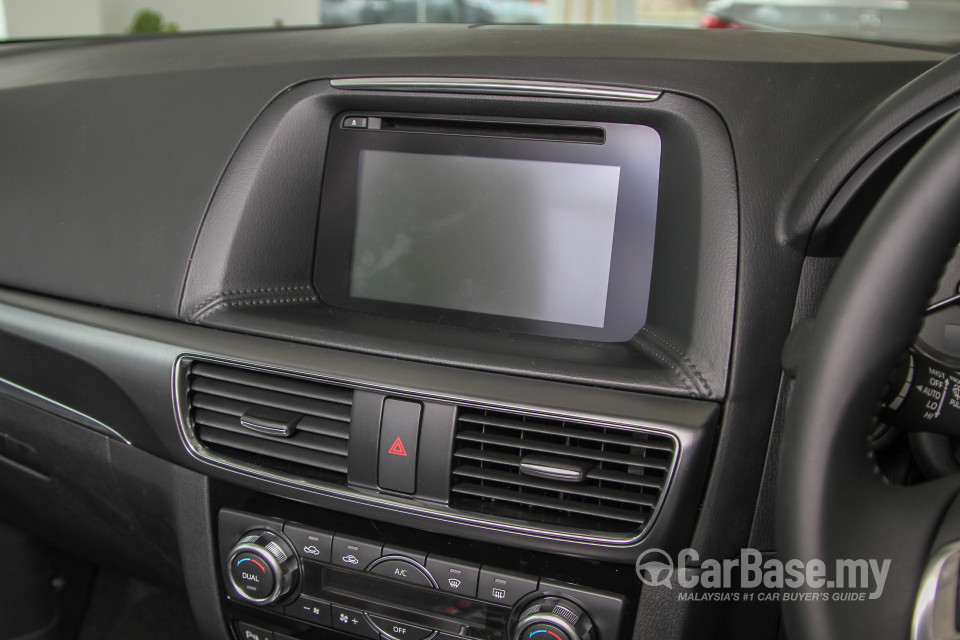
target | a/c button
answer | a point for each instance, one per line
(401, 570)
(399, 630)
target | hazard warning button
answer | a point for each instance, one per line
(396, 448)
(399, 436)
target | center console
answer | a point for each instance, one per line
(480, 371)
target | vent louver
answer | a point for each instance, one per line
(316, 415)
(574, 474)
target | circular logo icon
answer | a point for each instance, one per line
(655, 568)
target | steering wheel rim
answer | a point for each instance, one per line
(832, 501)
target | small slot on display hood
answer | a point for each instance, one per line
(484, 129)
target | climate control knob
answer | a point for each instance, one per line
(263, 567)
(552, 618)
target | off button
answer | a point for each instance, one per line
(399, 630)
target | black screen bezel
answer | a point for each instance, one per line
(636, 149)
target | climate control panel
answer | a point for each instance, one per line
(367, 589)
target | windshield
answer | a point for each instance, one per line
(930, 22)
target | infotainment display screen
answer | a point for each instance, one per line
(519, 238)
(517, 229)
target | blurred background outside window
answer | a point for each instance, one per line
(933, 23)
(31, 19)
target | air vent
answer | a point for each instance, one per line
(271, 422)
(565, 473)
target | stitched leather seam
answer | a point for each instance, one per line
(246, 303)
(663, 342)
(200, 311)
(221, 301)
(684, 378)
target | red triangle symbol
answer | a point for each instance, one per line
(397, 448)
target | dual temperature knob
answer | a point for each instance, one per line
(552, 618)
(264, 569)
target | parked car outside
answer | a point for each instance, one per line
(923, 21)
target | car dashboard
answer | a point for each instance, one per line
(252, 350)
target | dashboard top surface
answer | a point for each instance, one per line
(190, 99)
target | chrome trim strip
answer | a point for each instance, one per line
(499, 87)
(935, 613)
(199, 452)
(40, 401)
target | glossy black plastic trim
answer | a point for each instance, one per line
(17, 392)
(838, 222)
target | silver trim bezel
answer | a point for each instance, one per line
(497, 86)
(199, 452)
